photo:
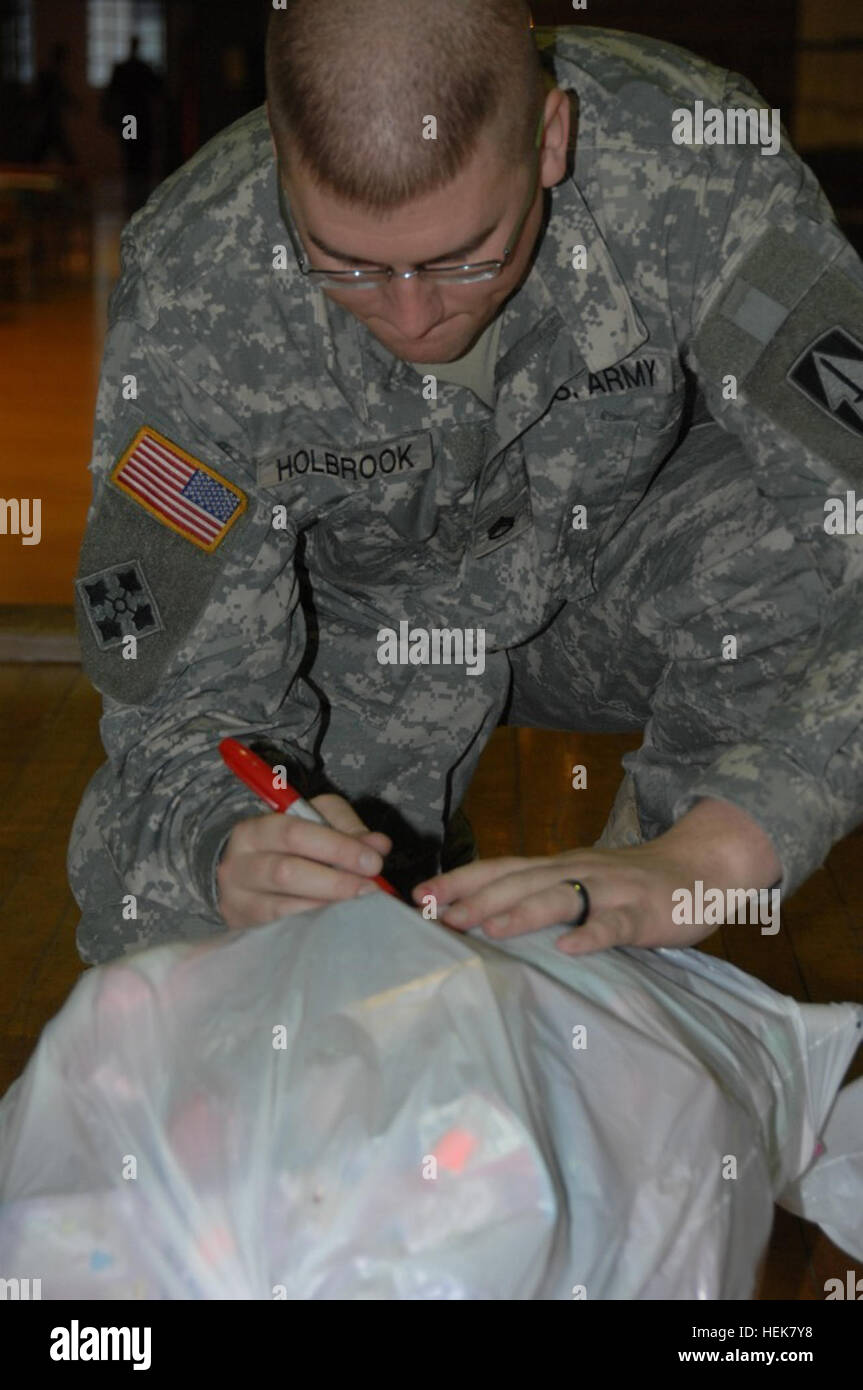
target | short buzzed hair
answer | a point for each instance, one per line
(350, 84)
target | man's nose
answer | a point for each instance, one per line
(414, 306)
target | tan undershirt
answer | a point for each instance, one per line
(475, 369)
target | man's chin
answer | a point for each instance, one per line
(441, 348)
(447, 354)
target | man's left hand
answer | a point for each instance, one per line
(630, 889)
(630, 897)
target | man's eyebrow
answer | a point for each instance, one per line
(448, 257)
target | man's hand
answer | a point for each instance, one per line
(630, 889)
(276, 865)
(630, 897)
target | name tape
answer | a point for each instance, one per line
(363, 464)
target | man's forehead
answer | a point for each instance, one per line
(464, 212)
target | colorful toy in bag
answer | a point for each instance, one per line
(357, 1103)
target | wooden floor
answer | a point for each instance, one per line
(50, 351)
(49, 746)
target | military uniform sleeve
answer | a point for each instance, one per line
(188, 616)
(773, 331)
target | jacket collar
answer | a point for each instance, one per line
(563, 320)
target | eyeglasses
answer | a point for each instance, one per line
(468, 274)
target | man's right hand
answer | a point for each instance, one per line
(277, 864)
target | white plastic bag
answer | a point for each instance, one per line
(358, 1104)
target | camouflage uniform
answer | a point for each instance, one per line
(702, 263)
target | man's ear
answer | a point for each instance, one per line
(556, 137)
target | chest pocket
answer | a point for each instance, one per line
(502, 511)
(405, 534)
(614, 446)
(373, 536)
(593, 500)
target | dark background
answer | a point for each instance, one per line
(805, 56)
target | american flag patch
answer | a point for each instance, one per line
(178, 490)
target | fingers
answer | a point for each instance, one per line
(594, 936)
(377, 841)
(615, 928)
(631, 895)
(515, 902)
(339, 813)
(547, 906)
(510, 897)
(289, 835)
(277, 865)
(464, 882)
(287, 874)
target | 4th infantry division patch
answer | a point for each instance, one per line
(178, 490)
(119, 603)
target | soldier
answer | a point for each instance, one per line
(451, 338)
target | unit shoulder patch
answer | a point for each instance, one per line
(788, 328)
(830, 373)
(165, 533)
(177, 489)
(119, 603)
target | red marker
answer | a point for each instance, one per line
(259, 776)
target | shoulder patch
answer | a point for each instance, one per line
(178, 490)
(119, 603)
(165, 531)
(830, 372)
(788, 326)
